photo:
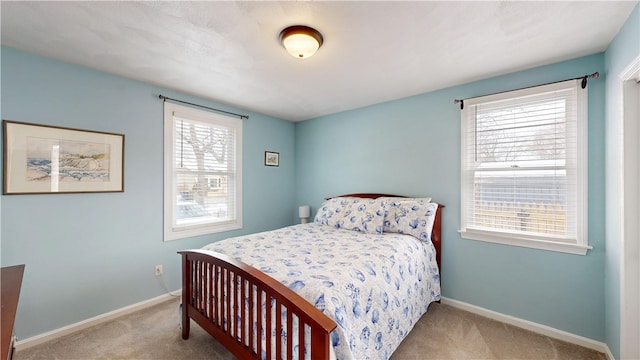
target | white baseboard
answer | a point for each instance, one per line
(532, 326)
(69, 329)
(521, 323)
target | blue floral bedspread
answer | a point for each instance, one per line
(375, 286)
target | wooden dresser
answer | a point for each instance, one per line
(11, 279)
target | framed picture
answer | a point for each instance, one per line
(271, 158)
(40, 159)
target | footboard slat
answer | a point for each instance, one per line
(217, 289)
(210, 269)
(251, 310)
(243, 312)
(268, 326)
(200, 288)
(278, 327)
(259, 324)
(289, 331)
(233, 311)
(301, 338)
(226, 298)
(228, 317)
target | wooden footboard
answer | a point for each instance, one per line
(217, 288)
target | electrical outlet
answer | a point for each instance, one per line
(158, 270)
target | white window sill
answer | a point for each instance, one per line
(512, 240)
(190, 231)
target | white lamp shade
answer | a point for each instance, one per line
(304, 211)
(301, 45)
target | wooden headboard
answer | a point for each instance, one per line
(436, 233)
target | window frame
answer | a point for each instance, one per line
(170, 231)
(528, 240)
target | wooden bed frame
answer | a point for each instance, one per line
(209, 279)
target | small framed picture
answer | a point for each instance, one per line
(271, 158)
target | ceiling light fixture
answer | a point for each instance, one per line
(301, 41)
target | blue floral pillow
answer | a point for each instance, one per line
(391, 205)
(413, 217)
(395, 201)
(350, 213)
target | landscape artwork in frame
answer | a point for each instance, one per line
(271, 158)
(40, 159)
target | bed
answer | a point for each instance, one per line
(349, 285)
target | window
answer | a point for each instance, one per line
(524, 168)
(203, 172)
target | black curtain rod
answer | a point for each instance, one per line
(165, 98)
(583, 85)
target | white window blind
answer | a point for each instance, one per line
(524, 166)
(202, 172)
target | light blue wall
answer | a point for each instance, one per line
(412, 147)
(88, 254)
(621, 52)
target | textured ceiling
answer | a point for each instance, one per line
(373, 51)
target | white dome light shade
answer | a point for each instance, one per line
(301, 45)
(301, 41)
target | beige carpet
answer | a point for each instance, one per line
(443, 333)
